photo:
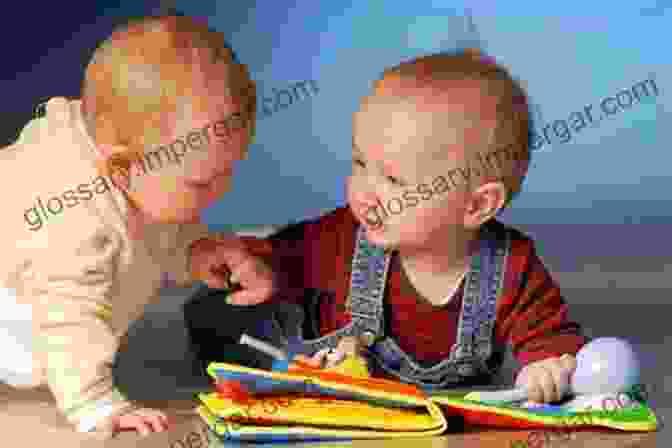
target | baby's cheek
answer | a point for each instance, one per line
(429, 221)
(349, 189)
(172, 203)
(221, 185)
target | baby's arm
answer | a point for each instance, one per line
(533, 316)
(189, 235)
(72, 282)
(283, 252)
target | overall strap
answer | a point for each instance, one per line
(370, 266)
(483, 285)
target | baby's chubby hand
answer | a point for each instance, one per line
(346, 358)
(547, 380)
(144, 421)
(328, 358)
(225, 260)
(323, 359)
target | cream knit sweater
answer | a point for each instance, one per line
(66, 252)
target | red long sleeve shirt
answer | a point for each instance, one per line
(531, 313)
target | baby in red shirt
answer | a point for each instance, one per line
(418, 267)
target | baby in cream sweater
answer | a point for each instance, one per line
(103, 196)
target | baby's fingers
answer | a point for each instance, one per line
(157, 421)
(539, 385)
(562, 375)
(535, 392)
(136, 422)
(548, 384)
(143, 428)
(144, 421)
(321, 356)
(250, 297)
(312, 361)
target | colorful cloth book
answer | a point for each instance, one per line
(305, 404)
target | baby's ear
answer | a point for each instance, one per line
(119, 170)
(107, 150)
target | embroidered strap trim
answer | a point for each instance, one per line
(365, 301)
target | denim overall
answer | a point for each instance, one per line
(473, 357)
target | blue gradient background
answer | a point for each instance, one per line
(597, 204)
(569, 55)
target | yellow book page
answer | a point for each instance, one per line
(249, 432)
(323, 412)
